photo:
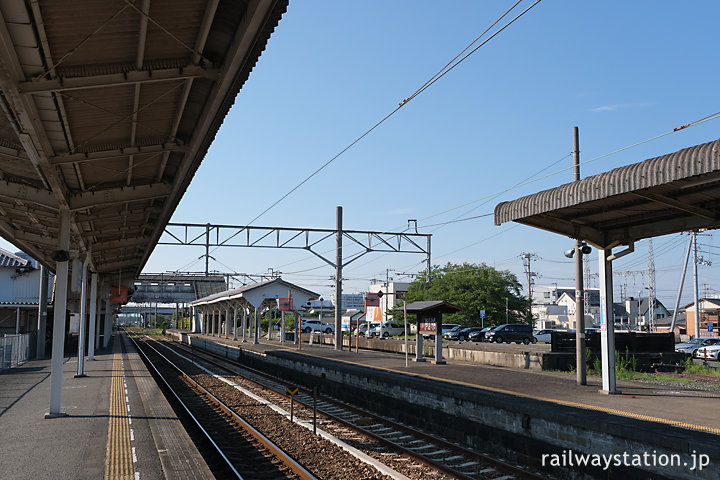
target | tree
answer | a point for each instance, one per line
(474, 288)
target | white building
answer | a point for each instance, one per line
(19, 292)
(392, 291)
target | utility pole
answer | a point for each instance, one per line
(338, 278)
(579, 290)
(651, 281)
(527, 258)
(695, 282)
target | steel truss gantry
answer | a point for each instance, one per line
(210, 235)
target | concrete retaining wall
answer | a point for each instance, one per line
(513, 428)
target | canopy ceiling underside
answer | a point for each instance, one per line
(668, 194)
(108, 109)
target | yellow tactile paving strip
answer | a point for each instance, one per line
(119, 457)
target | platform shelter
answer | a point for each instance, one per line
(217, 314)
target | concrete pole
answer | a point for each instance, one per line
(83, 313)
(695, 285)
(58, 344)
(227, 320)
(17, 320)
(42, 312)
(212, 324)
(607, 322)
(93, 307)
(682, 283)
(338, 279)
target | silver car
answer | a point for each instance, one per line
(695, 343)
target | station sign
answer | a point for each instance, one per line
(372, 300)
(119, 295)
(285, 304)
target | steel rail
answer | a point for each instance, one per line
(509, 468)
(276, 451)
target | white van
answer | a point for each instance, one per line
(387, 329)
(366, 326)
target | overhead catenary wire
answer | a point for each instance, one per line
(427, 85)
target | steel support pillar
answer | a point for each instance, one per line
(607, 322)
(419, 344)
(58, 344)
(93, 308)
(83, 319)
(108, 326)
(256, 327)
(244, 324)
(42, 313)
(282, 328)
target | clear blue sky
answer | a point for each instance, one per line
(621, 71)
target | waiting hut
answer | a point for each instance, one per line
(429, 318)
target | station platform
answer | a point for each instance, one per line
(117, 423)
(669, 404)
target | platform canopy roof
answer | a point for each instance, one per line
(108, 108)
(257, 293)
(667, 194)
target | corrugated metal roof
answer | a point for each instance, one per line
(666, 194)
(8, 259)
(423, 306)
(110, 113)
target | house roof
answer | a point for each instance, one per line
(667, 194)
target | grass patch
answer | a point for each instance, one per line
(699, 369)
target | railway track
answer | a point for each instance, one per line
(240, 451)
(403, 448)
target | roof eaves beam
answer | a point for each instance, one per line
(132, 77)
(117, 153)
(241, 48)
(119, 195)
(25, 193)
(671, 202)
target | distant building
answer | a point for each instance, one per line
(709, 309)
(19, 292)
(391, 293)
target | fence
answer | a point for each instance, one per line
(15, 349)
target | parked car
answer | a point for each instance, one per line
(308, 326)
(462, 334)
(446, 327)
(711, 352)
(695, 343)
(543, 335)
(387, 329)
(480, 336)
(367, 326)
(512, 332)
